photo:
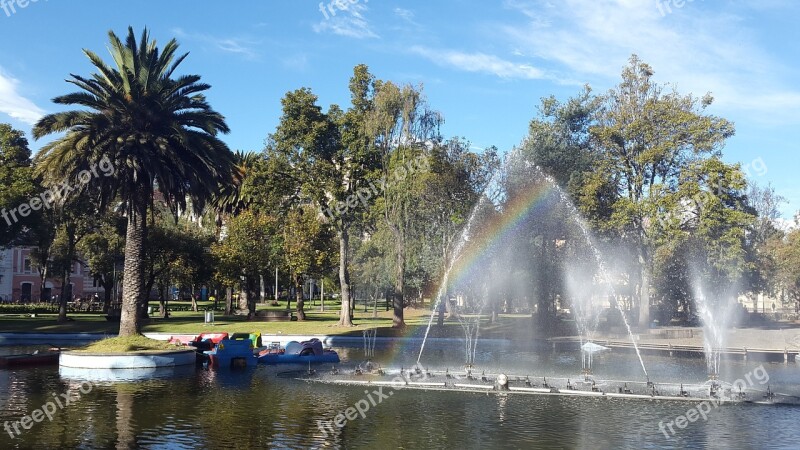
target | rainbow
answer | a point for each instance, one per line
(522, 206)
(526, 203)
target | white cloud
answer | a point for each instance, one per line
(697, 50)
(244, 47)
(14, 104)
(348, 22)
(480, 62)
(405, 14)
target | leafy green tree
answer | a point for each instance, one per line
(787, 255)
(17, 186)
(707, 237)
(402, 126)
(766, 204)
(102, 249)
(251, 244)
(158, 132)
(177, 254)
(75, 219)
(559, 139)
(646, 137)
(452, 187)
(330, 159)
(559, 143)
(307, 248)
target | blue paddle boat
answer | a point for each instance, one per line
(308, 352)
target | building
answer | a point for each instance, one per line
(20, 281)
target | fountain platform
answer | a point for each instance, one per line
(581, 386)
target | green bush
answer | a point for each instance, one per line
(31, 308)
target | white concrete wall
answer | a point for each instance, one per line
(129, 361)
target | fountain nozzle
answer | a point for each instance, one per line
(502, 382)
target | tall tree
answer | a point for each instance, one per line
(403, 127)
(766, 204)
(452, 187)
(331, 160)
(157, 130)
(708, 236)
(647, 136)
(558, 143)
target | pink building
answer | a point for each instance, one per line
(21, 281)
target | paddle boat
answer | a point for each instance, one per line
(308, 352)
(232, 353)
(201, 342)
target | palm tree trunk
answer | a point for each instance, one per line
(133, 277)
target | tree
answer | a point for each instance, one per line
(402, 126)
(331, 161)
(787, 253)
(451, 188)
(307, 249)
(102, 249)
(251, 245)
(707, 238)
(71, 226)
(646, 137)
(17, 186)
(559, 139)
(157, 131)
(766, 204)
(559, 144)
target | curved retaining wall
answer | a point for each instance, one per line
(127, 361)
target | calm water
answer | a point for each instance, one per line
(263, 408)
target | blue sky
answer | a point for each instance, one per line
(484, 65)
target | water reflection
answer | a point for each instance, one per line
(258, 408)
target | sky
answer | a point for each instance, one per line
(484, 65)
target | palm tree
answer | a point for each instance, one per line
(157, 131)
(231, 198)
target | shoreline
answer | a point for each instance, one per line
(17, 338)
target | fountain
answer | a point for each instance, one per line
(496, 193)
(474, 244)
(715, 305)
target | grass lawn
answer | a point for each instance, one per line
(126, 344)
(317, 323)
